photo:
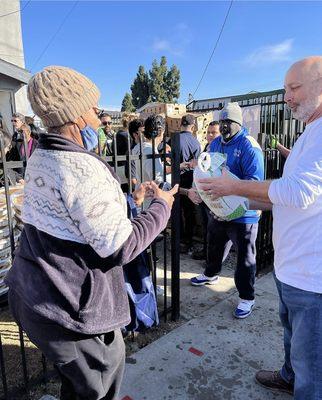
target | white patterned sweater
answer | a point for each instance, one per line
(67, 195)
(76, 238)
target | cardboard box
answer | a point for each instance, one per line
(163, 108)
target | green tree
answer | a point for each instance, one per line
(172, 84)
(127, 104)
(157, 75)
(160, 84)
(140, 88)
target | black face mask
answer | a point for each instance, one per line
(226, 130)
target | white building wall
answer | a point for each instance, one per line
(11, 46)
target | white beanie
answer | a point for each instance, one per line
(233, 112)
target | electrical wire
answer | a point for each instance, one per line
(214, 49)
(14, 12)
(55, 34)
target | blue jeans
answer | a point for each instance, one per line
(301, 316)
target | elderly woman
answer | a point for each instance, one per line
(66, 285)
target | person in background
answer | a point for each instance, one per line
(189, 151)
(106, 134)
(35, 131)
(122, 137)
(17, 151)
(123, 147)
(136, 131)
(154, 127)
(66, 285)
(213, 131)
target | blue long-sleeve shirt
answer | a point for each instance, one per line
(245, 160)
(189, 150)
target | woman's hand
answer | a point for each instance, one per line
(141, 192)
(168, 196)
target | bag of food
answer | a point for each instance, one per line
(226, 208)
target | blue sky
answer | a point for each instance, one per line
(108, 40)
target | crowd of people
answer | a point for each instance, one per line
(66, 286)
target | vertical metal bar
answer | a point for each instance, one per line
(26, 155)
(175, 230)
(165, 256)
(3, 371)
(44, 369)
(99, 148)
(153, 245)
(141, 159)
(7, 195)
(153, 158)
(165, 275)
(23, 360)
(115, 153)
(128, 163)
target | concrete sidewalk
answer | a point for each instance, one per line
(213, 356)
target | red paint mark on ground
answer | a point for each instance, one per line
(195, 351)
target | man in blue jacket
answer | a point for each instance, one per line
(245, 160)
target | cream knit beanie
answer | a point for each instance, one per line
(59, 95)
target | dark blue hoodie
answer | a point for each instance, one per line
(245, 160)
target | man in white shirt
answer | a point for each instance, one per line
(296, 201)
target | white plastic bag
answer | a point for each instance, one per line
(226, 208)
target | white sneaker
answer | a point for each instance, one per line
(202, 279)
(244, 308)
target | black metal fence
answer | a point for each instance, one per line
(276, 119)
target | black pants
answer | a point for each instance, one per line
(204, 214)
(90, 366)
(188, 220)
(221, 236)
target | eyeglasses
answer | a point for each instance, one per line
(14, 120)
(107, 123)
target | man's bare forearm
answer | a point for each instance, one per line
(260, 205)
(253, 190)
(283, 150)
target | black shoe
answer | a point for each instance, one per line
(273, 380)
(198, 255)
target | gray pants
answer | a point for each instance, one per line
(90, 366)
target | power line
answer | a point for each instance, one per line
(215, 47)
(14, 12)
(55, 34)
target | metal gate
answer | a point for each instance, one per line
(275, 119)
